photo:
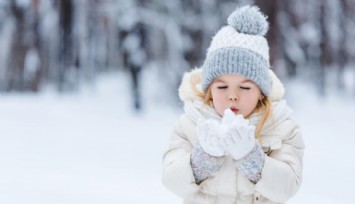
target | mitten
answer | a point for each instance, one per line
(203, 164)
(239, 136)
(252, 164)
(209, 137)
(241, 145)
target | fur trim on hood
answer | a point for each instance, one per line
(190, 88)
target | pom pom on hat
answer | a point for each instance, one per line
(240, 48)
(249, 20)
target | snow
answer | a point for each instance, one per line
(90, 147)
(327, 126)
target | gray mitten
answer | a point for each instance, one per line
(203, 164)
(252, 164)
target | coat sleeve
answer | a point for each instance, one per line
(282, 171)
(177, 172)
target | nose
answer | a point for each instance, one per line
(232, 98)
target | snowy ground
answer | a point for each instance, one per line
(90, 147)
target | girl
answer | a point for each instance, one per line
(235, 142)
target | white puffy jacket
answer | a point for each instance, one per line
(280, 138)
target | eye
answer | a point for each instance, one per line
(245, 87)
(222, 87)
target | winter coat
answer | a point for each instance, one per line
(280, 139)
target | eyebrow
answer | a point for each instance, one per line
(247, 80)
(243, 81)
(219, 80)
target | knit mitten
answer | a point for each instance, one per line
(203, 164)
(252, 164)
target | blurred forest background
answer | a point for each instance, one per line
(65, 43)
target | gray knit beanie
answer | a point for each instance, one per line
(240, 48)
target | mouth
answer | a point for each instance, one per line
(234, 109)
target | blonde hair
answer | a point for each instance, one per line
(263, 107)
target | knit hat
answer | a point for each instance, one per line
(240, 48)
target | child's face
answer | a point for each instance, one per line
(236, 93)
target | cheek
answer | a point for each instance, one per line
(219, 102)
(250, 102)
(217, 98)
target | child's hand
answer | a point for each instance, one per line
(239, 136)
(233, 135)
(209, 137)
